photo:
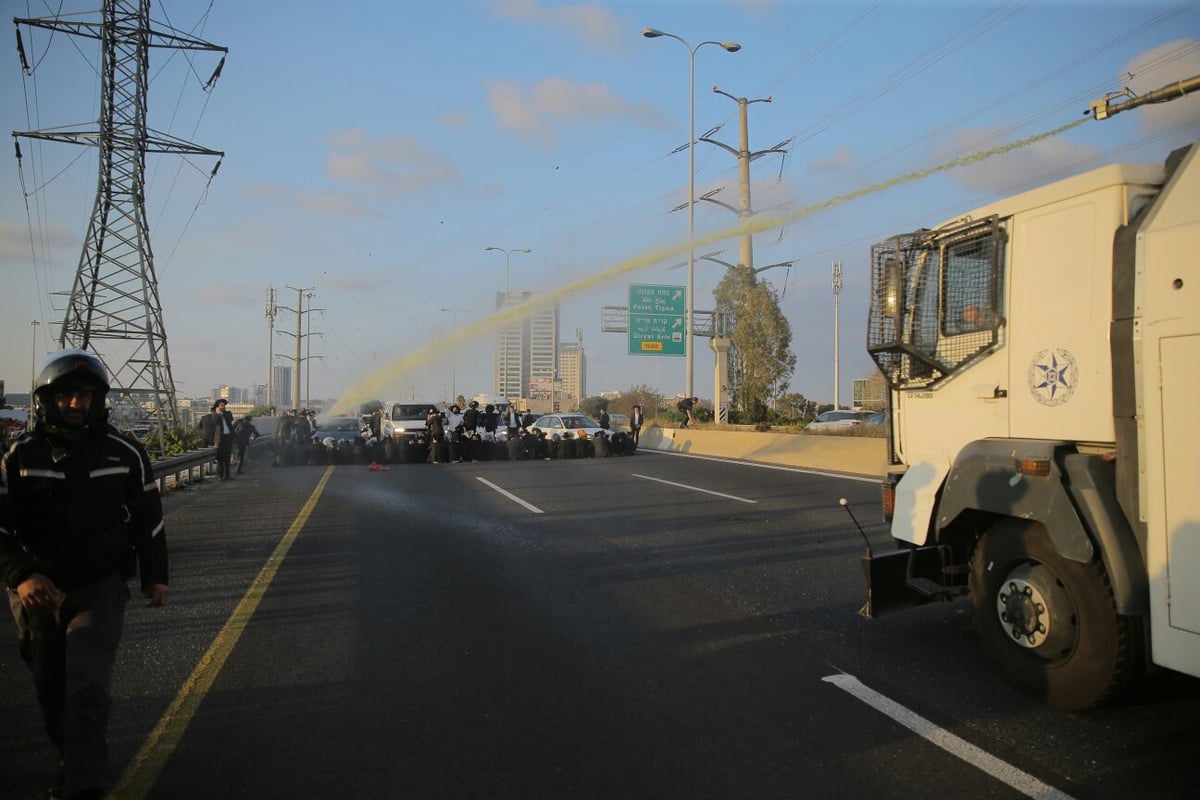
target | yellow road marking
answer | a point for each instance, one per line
(140, 776)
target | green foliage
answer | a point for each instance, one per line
(177, 440)
(592, 405)
(760, 359)
(261, 411)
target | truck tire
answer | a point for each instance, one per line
(1050, 624)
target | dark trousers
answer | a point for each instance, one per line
(224, 453)
(241, 455)
(71, 653)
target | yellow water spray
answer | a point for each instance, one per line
(378, 382)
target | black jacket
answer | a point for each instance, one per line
(77, 510)
(213, 432)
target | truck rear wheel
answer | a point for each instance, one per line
(1050, 624)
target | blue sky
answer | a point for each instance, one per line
(372, 152)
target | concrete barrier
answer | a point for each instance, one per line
(859, 455)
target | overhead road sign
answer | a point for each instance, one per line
(657, 320)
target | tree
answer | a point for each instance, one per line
(592, 405)
(649, 399)
(796, 406)
(760, 358)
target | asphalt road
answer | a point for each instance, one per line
(649, 627)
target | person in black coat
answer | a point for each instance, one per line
(80, 515)
(636, 420)
(217, 429)
(243, 432)
(436, 432)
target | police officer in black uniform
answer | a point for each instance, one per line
(79, 515)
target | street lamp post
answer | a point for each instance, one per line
(732, 47)
(507, 256)
(507, 330)
(837, 297)
(32, 374)
(454, 312)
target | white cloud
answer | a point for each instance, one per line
(1156, 68)
(1007, 172)
(15, 241)
(308, 200)
(557, 101)
(391, 163)
(840, 159)
(591, 23)
(454, 119)
(369, 173)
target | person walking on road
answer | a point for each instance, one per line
(243, 432)
(80, 513)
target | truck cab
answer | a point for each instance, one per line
(1041, 354)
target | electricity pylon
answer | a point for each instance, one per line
(114, 309)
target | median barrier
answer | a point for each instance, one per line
(860, 455)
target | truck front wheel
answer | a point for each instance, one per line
(1050, 624)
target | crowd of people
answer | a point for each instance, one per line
(453, 436)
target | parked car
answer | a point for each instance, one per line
(877, 418)
(340, 429)
(567, 424)
(838, 421)
(618, 422)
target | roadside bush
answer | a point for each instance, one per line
(177, 440)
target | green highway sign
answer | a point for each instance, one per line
(657, 320)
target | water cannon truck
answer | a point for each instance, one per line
(1042, 355)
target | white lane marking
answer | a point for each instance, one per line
(510, 495)
(761, 465)
(695, 489)
(1023, 782)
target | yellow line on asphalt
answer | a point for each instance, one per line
(140, 776)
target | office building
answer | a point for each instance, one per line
(572, 374)
(526, 350)
(281, 387)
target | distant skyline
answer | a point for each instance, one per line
(372, 154)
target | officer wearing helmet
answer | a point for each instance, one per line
(80, 514)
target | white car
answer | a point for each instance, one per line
(832, 421)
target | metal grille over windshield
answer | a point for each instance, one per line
(935, 301)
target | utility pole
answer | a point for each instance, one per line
(114, 308)
(721, 344)
(299, 339)
(270, 311)
(837, 297)
(32, 374)
(744, 157)
(308, 356)
(297, 359)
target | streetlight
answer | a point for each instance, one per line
(508, 330)
(32, 374)
(732, 47)
(837, 296)
(507, 256)
(454, 312)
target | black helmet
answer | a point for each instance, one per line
(66, 370)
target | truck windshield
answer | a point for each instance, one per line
(935, 301)
(410, 411)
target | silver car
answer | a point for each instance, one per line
(840, 420)
(567, 425)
